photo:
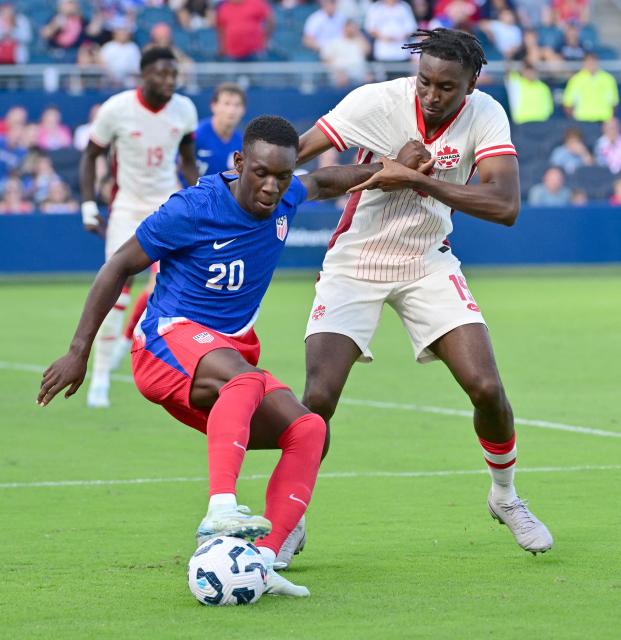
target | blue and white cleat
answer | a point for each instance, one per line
(238, 523)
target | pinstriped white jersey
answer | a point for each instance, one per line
(145, 143)
(400, 235)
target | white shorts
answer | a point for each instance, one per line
(122, 225)
(429, 308)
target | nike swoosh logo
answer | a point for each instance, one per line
(292, 497)
(218, 245)
(241, 446)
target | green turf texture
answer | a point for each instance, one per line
(400, 557)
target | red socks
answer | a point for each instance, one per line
(291, 485)
(139, 306)
(228, 429)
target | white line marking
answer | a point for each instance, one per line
(377, 404)
(329, 475)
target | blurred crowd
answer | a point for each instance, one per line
(39, 160)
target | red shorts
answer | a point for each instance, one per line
(164, 368)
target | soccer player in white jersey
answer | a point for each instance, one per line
(391, 247)
(145, 129)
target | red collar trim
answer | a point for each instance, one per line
(420, 122)
(145, 104)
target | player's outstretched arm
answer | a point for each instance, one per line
(70, 370)
(496, 198)
(312, 143)
(90, 213)
(187, 153)
(331, 182)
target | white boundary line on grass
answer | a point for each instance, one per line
(328, 475)
(377, 404)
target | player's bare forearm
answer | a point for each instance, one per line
(189, 168)
(88, 171)
(332, 182)
(312, 143)
(70, 369)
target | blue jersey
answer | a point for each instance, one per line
(213, 154)
(216, 259)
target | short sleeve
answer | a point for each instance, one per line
(103, 129)
(493, 137)
(170, 228)
(359, 120)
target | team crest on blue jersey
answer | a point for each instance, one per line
(281, 228)
(203, 338)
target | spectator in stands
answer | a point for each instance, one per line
(109, 12)
(15, 116)
(82, 132)
(529, 12)
(579, 197)
(390, 23)
(15, 35)
(39, 177)
(608, 146)
(59, 199)
(192, 14)
(572, 48)
(161, 35)
(244, 28)
(530, 99)
(570, 12)
(66, 28)
(573, 153)
(12, 150)
(533, 52)
(504, 33)
(346, 56)
(454, 14)
(615, 198)
(12, 200)
(551, 191)
(591, 95)
(53, 134)
(120, 57)
(323, 26)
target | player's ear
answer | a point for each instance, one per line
(238, 161)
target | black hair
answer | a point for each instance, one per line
(153, 54)
(450, 44)
(272, 129)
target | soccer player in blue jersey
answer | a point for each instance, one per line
(196, 353)
(218, 138)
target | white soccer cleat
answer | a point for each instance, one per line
(238, 523)
(529, 532)
(121, 349)
(291, 546)
(98, 396)
(278, 586)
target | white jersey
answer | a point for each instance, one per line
(397, 236)
(144, 144)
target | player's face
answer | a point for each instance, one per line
(228, 109)
(441, 86)
(265, 172)
(160, 79)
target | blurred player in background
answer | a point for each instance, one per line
(217, 137)
(196, 352)
(144, 129)
(393, 248)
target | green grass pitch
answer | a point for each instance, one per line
(389, 555)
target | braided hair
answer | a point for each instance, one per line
(449, 44)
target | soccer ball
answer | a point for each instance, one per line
(227, 570)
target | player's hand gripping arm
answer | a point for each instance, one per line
(331, 182)
(90, 213)
(70, 370)
(496, 198)
(187, 153)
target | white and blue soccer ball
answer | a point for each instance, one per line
(227, 570)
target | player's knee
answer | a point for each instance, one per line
(206, 387)
(320, 400)
(487, 392)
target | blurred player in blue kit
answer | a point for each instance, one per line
(217, 137)
(196, 352)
